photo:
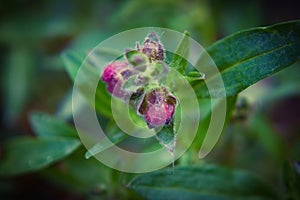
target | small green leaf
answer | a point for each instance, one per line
(137, 59)
(203, 182)
(105, 143)
(26, 154)
(166, 137)
(182, 51)
(166, 134)
(194, 76)
(45, 125)
(248, 56)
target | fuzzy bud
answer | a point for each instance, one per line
(152, 47)
(115, 75)
(158, 107)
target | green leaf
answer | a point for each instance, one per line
(166, 137)
(72, 61)
(25, 154)
(77, 173)
(182, 51)
(248, 56)
(105, 143)
(194, 76)
(45, 125)
(137, 59)
(203, 182)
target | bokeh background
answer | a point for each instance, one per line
(263, 131)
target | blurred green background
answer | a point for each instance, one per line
(33, 34)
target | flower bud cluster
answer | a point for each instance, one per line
(126, 79)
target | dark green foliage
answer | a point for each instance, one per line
(248, 56)
(202, 182)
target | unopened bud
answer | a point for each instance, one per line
(115, 75)
(152, 47)
(158, 107)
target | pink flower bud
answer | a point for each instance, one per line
(158, 107)
(152, 47)
(115, 75)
